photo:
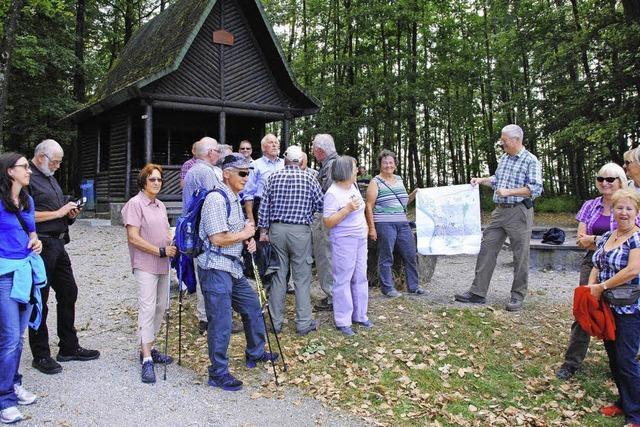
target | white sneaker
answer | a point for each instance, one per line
(10, 415)
(25, 397)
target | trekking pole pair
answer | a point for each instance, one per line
(264, 304)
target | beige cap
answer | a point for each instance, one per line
(293, 154)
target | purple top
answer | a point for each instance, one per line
(151, 218)
(353, 224)
(186, 166)
(591, 211)
(601, 225)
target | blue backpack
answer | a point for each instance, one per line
(187, 237)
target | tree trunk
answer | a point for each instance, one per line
(79, 81)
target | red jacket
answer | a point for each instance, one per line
(593, 315)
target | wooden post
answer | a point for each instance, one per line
(148, 133)
(127, 179)
(286, 124)
(222, 127)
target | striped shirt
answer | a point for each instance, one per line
(611, 262)
(591, 210)
(521, 170)
(291, 195)
(387, 207)
(213, 221)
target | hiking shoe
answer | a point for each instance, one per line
(392, 294)
(158, 357)
(565, 372)
(346, 330)
(468, 297)
(46, 365)
(10, 415)
(148, 373)
(236, 327)
(366, 324)
(323, 305)
(290, 289)
(81, 354)
(203, 325)
(313, 326)
(612, 411)
(514, 304)
(25, 397)
(417, 291)
(226, 382)
(266, 357)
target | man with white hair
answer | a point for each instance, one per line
(516, 183)
(54, 214)
(262, 169)
(290, 198)
(324, 150)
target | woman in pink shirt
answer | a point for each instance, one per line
(150, 248)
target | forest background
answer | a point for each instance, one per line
(434, 80)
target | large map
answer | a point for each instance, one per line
(448, 220)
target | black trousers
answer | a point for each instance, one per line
(60, 278)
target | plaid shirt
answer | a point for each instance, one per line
(591, 211)
(521, 170)
(611, 262)
(186, 166)
(213, 221)
(290, 195)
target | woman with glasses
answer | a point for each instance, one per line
(595, 218)
(21, 273)
(150, 247)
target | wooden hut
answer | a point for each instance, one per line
(201, 67)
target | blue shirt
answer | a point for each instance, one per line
(200, 175)
(521, 170)
(291, 195)
(15, 239)
(262, 169)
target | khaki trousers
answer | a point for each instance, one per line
(152, 303)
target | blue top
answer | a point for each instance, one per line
(262, 170)
(15, 240)
(200, 175)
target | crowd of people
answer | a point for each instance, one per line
(307, 216)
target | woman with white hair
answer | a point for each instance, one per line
(595, 219)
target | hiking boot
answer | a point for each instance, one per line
(10, 415)
(226, 382)
(346, 330)
(313, 326)
(514, 304)
(470, 298)
(158, 357)
(81, 354)
(266, 357)
(203, 325)
(148, 373)
(366, 324)
(392, 294)
(323, 305)
(612, 411)
(46, 365)
(25, 397)
(236, 327)
(565, 372)
(417, 291)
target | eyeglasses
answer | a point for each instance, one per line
(155, 180)
(55, 162)
(243, 174)
(25, 166)
(627, 162)
(609, 179)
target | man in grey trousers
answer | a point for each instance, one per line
(290, 198)
(324, 150)
(516, 183)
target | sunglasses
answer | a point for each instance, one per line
(609, 179)
(154, 180)
(243, 174)
(245, 148)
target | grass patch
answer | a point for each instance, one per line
(423, 365)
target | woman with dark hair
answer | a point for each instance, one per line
(344, 217)
(22, 272)
(386, 211)
(150, 248)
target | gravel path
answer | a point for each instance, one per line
(108, 391)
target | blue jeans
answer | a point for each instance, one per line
(221, 292)
(391, 235)
(13, 321)
(625, 368)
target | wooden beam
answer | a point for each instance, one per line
(216, 102)
(127, 179)
(286, 134)
(222, 127)
(179, 106)
(148, 133)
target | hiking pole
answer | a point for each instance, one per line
(264, 303)
(180, 325)
(166, 322)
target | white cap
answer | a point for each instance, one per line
(293, 154)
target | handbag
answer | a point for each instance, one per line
(622, 295)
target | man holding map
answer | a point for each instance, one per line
(516, 183)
